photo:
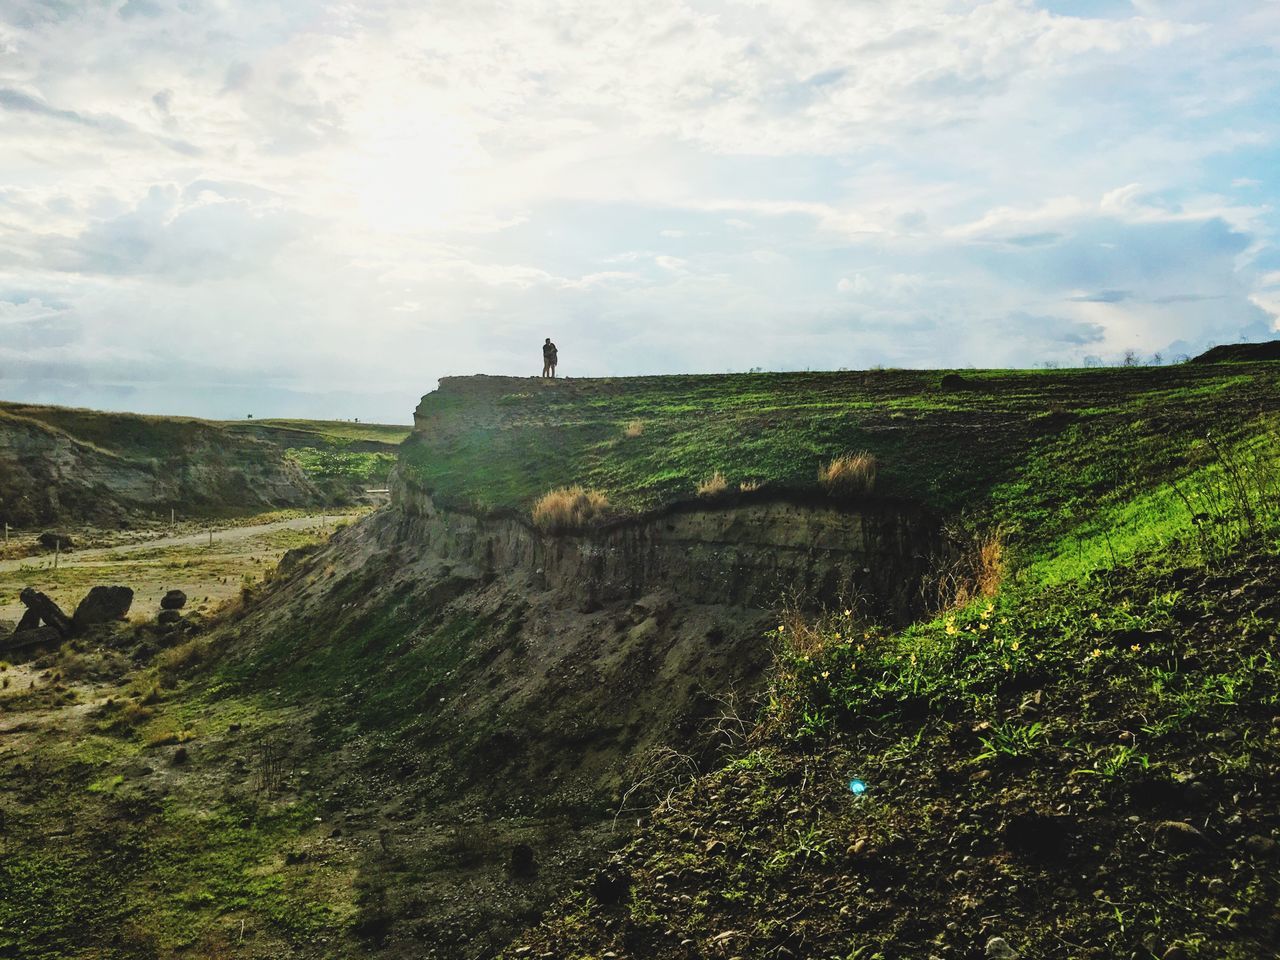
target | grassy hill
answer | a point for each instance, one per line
(1039, 452)
(325, 431)
(1076, 750)
(63, 464)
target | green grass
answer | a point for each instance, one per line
(143, 436)
(327, 463)
(390, 433)
(1034, 450)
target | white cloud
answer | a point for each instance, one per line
(322, 184)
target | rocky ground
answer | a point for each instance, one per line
(1124, 805)
(210, 560)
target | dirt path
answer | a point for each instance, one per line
(80, 558)
(208, 572)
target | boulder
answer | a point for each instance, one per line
(25, 639)
(169, 616)
(41, 608)
(103, 605)
(51, 540)
(954, 382)
(173, 600)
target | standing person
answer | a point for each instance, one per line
(549, 356)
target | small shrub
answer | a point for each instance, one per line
(568, 508)
(74, 667)
(713, 486)
(849, 475)
(165, 736)
(975, 569)
(120, 716)
(634, 429)
(989, 564)
(176, 661)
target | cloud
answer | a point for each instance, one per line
(375, 194)
(1103, 296)
(198, 234)
(239, 75)
(1051, 330)
(19, 102)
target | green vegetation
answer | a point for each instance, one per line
(329, 430)
(1107, 710)
(336, 463)
(1077, 748)
(1036, 451)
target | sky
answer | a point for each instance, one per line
(309, 208)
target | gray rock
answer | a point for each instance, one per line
(169, 616)
(40, 609)
(1258, 846)
(51, 540)
(1179, 835)
(998, 949)
(103, 605)
(34, 637)
(173, 600)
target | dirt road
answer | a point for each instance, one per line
(96, 555)
(207, 572)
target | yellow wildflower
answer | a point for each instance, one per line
(1097, 651)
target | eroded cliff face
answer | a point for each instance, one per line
(539, 691)
(48, 476)
(760, 552)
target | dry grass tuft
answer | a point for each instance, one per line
(849, 475)
(74, 666)
(164, 736)
(634, 429)
(133, 714)
(569, 508)
(750, 486)
(176, 661)
(713, 486)
(989, 564)
(977, 570)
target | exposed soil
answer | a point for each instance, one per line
(1172, 854)
(210, 573)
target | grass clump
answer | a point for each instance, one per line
(633, 429)
(180, 660)
(849, 475)
(713, 486)
(569, 508)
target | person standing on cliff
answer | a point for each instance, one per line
(549, 356)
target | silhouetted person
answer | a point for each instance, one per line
(549, 355)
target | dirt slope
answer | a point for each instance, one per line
(61, 465)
